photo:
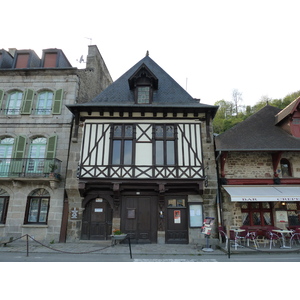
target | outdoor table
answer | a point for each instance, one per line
(283, 232)
(237, 231)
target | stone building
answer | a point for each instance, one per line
(259, 170)
(35, 130)
(145, 153)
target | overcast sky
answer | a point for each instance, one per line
(209, 47)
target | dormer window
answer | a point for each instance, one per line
(22, 60)
(143, 82)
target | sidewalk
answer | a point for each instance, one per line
(105, 247)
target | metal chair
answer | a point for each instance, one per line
(223, 235)
(251, 237)
(272, 237)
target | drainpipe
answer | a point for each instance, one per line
(218, 200)
(65, 214)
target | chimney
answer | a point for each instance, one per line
(12, 51)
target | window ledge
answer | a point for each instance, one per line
(2, 225)
(34, 226)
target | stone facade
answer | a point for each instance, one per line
(72, 82)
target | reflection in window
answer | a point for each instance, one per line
(44, 103)
(164, 145)
(176, 203)
(14, 103)
(122, 145)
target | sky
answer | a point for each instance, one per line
(209, 47)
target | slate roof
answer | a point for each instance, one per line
(258, 133)
(168, 94)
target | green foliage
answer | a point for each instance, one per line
(226, 117)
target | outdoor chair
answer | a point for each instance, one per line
(251, 237)
(272, 237)
(223, 235)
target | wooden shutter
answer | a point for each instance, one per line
(19, 148)
(51, 147)
(58, 96)
(1, 97)
(16, 166)
(27, 102)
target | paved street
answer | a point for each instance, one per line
(94, 257)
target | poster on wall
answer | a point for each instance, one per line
(177, 217)
(281, 216)
(196, 218)
(207, 225)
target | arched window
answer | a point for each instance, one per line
(14, 103)
(44, 103)
(37, 155)
(6, 149)
(4, 197)
(37, 207)
(285, 168)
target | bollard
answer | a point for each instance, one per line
(27, 245)
(129, 244)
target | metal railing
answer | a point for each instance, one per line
(29, 167)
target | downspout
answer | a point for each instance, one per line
(65, 214)
(218, 200)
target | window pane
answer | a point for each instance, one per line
(1, 207)
(170, 131)
(43, 210)
(159, 155)
(159, 131)
(256, 218)
(117, 131)
(33, 210)
(128, 153)
(267, 218)
(129, 131)
(245, 218)
(170, 153)
(116, 157)
(143, 94)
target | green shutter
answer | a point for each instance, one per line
(1, 97)
(19, 148)
(51, 147)
(16, 167)
(50, 153)
(27, 103)
(58, 96)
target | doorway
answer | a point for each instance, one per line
(177, 222)
(139, 219)
(96, 220)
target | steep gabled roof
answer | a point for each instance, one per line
(289, 110)
(169, 91)
(258, 133)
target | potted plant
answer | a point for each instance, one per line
(52, 168)
(118, 236)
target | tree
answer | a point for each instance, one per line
(237, 98)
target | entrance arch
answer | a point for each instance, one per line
(96, 220)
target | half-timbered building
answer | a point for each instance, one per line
(146, 162)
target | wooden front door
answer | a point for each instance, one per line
(139, 219)
(97, 220)
(177, 225)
